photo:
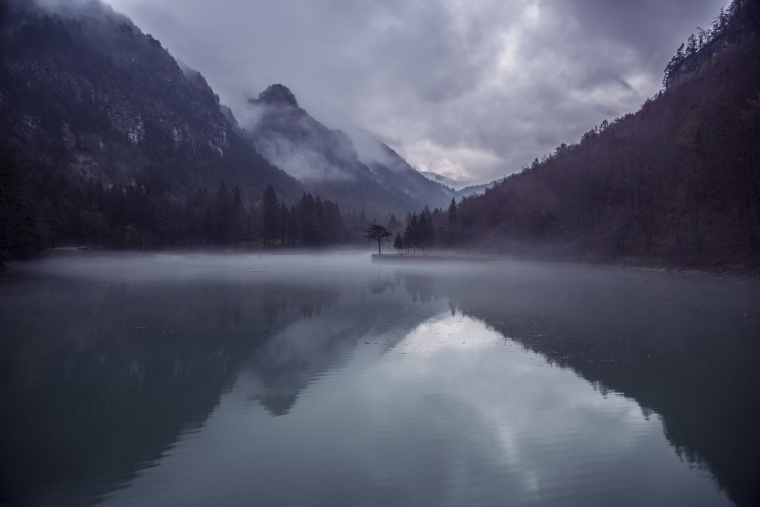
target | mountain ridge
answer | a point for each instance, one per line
(84, 83)
(676, 183)
(328, 161)
(106, 139)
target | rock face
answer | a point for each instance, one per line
(739, 23)
(80, 82)
(373, 177)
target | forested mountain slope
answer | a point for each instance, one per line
(105, 139)
(87, 89)
(677, 182)
(328, 162)
(103, 134)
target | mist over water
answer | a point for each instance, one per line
(302, 379)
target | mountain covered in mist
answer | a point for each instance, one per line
(359, 172)
(106, 139)
(81, 85)
(458, 188)
(85, 94)
(443, 180)
(678, 182)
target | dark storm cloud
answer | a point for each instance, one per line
(472, 88)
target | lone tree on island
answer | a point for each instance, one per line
(378, 233)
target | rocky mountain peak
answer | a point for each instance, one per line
(277, 95)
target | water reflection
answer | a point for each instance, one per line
(453, 415)
(333, 381)
(683, 346)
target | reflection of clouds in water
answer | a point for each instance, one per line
(454, 414)
(446, 332)
(547, 427)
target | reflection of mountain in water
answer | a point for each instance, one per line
(325, 340)
(125, 371)
(683, 347)
(121, 371)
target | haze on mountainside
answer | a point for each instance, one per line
(469, 90)
(207, 368)
(109, 140)
(676, 183)
(91, 100)
(360, 175)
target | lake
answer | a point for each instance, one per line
(195, 380)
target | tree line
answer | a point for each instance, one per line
(38, 214)
(728, 27)
(427, 230)
(676, 182)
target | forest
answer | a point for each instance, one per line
(145, 216)
(677, 183)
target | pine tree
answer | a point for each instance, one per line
(269, 216)
(320, 231)
(236, 217)
(453, 223)
(283, 223)
(393, 223)
(411, 234)
(398, 243)
(691, 45)
(18, 224)
(426, 231)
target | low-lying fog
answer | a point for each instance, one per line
(161, 377)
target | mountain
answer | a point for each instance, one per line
(85, 94)
(678, 182)
(358, 173)
(106, 140)
(472, 190)
(458, 189)
(443, 180)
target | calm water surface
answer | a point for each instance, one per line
(326, 380)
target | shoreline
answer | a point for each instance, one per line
(439, 258)
(632, 264)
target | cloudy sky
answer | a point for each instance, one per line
(472, 89)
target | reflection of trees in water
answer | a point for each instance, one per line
(683, 347)
(324, 340)
(419, 285)
(452, 307)
(125, 371)
(382, 282)
(122, 372)
(380, 285)
(308, 299)
(281, 386)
